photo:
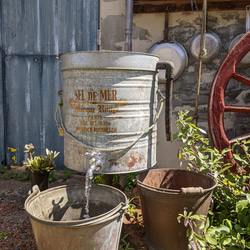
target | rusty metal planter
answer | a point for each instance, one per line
(164, 194)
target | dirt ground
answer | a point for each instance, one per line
(15, 224)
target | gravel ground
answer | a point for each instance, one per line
(13, 219)
(15, 224)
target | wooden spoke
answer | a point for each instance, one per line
(241, 78)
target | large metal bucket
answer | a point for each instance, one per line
(110, 106)
(166, 193)
(57, 220)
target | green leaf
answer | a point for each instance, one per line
(223, 229)
(211, 239)
(225, 240)
(225, 150)
(188, 119)
(228, 223)
(248, 228)
(3, 235)
(175, 136)
(248, 198)
(247, 245)
(241, 205)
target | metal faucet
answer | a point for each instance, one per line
(95, 164)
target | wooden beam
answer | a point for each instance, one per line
(156, 6)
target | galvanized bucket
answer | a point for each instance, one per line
(110, 106)
(57, 220)
(166, 193)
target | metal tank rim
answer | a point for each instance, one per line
(120, 60)
(110, 52)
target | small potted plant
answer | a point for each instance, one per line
(39, 166)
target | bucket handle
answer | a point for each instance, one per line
(182, 191)
(35, 190)
(192, 190)
(62, 129)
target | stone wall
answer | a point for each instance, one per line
(148, 29)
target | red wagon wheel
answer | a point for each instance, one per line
(217, 105)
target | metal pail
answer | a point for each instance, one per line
(57, 220)
(110, 106)
(166, 193)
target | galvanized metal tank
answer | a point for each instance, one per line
(110, 106)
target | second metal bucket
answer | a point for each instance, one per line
(57, 217)
(110, 106)
(166, 193)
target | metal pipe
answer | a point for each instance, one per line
(129, 25)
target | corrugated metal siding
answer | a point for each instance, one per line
(2, 127)
(34, 35)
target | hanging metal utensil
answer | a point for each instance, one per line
(246, 59)
(212, 45)
(170, 51)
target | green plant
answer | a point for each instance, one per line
(3, 169)
(6, 173)
(130, 183)
(67, 174)
(3, 235)
(53, 177)
(39, 163)
(195, 223)
(131, 210)
(228, 224)
(116, 180)
(24, 176)
(123, 244)
(99, 179)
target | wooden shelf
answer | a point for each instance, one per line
(159, 6)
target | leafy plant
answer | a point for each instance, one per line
(130, 177)
(228, 225)
(67, 174)
(99, 179)
(53, 177)
(24, 176)
(130, 183)
(6, 173)
(191, 221)
(131, 210)
(3, 235)
(116, 180)
(39, 163)
(123, 244)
